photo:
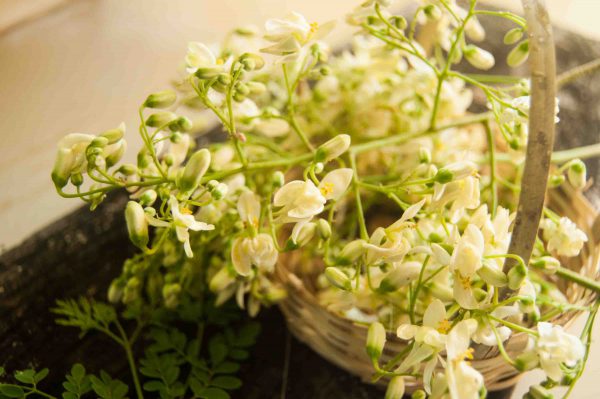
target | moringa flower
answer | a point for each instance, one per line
(563, 237)
(201, 60)
(183, 221)
(464, 382)
(465, 262)
(256, 251)
(555, 347)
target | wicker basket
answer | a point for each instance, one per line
(343, 342)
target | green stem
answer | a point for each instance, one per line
(501, 348)
(492, 158)
(513, 326)
(132, 366)
(579, 279)
(359, 208)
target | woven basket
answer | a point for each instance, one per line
(342, 342)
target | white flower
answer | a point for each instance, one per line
(555, 347)
(248, 207)
(256, 251)
(465, 262)
(300, 200)
(485, 335)
(463, 194)
(335, 183)
(200, 58)
(71, 151)
(464, 382)
(563, 237)
(434, 329)
(183, 221)
(292, 33)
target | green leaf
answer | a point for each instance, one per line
(239, 354)
(155, 385)
(2, 371)
(40, 375)
(25, 376)
(226, 368)
(247, 334)
(12, 391)
(217, 350)
(226, 382)
(107, 388)
(213, 393)
(77, 383)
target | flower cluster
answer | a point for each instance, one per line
(370, 164)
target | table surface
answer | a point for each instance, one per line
(86, 65)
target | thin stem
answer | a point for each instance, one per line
(492, 159)
(579, 279)
(577, 72)
(501, 348)
(132, 366)
(291, 111)
(513, 326)
(359, 208)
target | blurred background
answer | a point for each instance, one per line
(85, 65)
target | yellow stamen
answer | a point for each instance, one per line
(326, 189)
(444, 326)
(465, 281)
(186, 211)
(220, 61)
(313, 27)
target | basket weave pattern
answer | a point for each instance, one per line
(342, 341)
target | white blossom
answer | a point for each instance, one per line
(256, 251)
(563, 238)
(184, 221)
(554, 347)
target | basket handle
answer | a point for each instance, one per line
(541, 130)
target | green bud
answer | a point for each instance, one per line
(221, 280)
(239, 97)
(548, 264)
(224, 79)
(395, 389)
(519, 54)
(132, 290)
(137, 225)
(375, 340)
(424, 155)
(256, 87)
(432, 12)
(128, 169)
(539, 392)
(63, 165)
(114, 157)
(275, 294)
(162, 99)
(441, 292)
(99, 142)
(148, 198)
(492, 275)
(555, 180)
(114, 135)
(577, 174)
(160, 119)
(333, 148)
(219, 191)
(351, 252)
(419, 394)
(170, 294)
(516, 275)
(478, 57)
(277, 179)
(399, 22)
(400, 276)
(443, 176)
(115, 291)
(207, 72)
(323, 229)
(338, 278)
(194, 170)
(184, 124)
(257, 62)
(77, 179)
(513, 36)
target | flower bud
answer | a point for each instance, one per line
(257, 61)
(221, 280)
(455, 171)
(132, 290)
(219, 191)
(275, 294)
(319, 167)
(162, 99)
(527, 361)
(333, 148)
(478, 57)
(115, 156)
(160, 119)
(516, 275)
(194, 170)
(325, 70)
(441, 292)
(256, 87)
(432, 12)
(148, 198)
(492, 275)
(555, 180)
(277, 179)
(399, 22)
(114, 135)
(115, 291)
(519, 54)
(419, 394)
(424, 155)
(303, 233)
(323, 229)
(400, 276)
(77, 179)
(513, 36)
(352, 251)
(539, 392)
(375, 340)
(474, 30)
(395, 389)
(242, 89)
(184, 124)
(99, 142)
(338, 278)
(207, 72)
(170, 294)
(137, 225)
(63, 165)
(577, 174)
(128, 169)
(548, 264)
